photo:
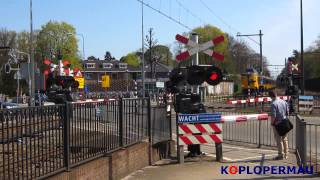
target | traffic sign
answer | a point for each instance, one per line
(199, 118)
(80, 81)
(200, 47)
(77, 73)
(293, 66)
(159, 84)
(105, 81)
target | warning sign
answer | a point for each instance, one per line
(105, 81)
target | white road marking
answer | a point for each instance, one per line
(213, 155)
(243, 159)
(253, 157)
(249, 149)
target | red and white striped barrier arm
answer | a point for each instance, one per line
(200, 128)
(255, 100)
(200, 139)
(241, 101)
(93, 101)
(244, 118)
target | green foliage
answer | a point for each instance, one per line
(92, 58)
(311, 60)
(7, 38)
(131, 59)
(47, 41)
(13, 40)
(54, 36)
(163, 54)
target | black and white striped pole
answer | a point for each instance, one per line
(135, 88)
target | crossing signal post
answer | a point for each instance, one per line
(294, 82)
(186, 101)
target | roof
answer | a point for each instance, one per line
(116, 66)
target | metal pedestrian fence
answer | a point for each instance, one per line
(308, 145)
(258, 133)
(38, 142)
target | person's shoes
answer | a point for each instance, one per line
(285, 156)
(278, 158)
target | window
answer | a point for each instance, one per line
(89, 76)
(91, 65)
(107, 65)
(122, 65)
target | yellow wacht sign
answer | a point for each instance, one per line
(105, 81)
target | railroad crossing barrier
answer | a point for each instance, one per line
(206, 128)
(305, 104)
(256, 100)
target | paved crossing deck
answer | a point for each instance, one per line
(206, 168)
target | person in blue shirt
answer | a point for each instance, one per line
(279, 112)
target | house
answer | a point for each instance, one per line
(122, 75)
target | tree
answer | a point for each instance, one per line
(161, 54)
(55, 36)
(108, 56)
(7, 38)
(17, 41)
(131, 59)
(92, 58)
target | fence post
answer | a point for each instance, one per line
(301, 142)
(219, 156)
(260, 130)
(180, 148)
(170, 130)
(149, 130)
(120, 122)
(66, 135)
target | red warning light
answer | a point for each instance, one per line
(213, 76)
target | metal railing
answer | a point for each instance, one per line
(308, 147)
(258, 133)
(160, 124)
(37, 142)
(31, 141)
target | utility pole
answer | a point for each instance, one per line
(150, 51)
(195, 58)
(261, 60)
(142, 36)
(301, 43)
(260, 44)
(32, 70)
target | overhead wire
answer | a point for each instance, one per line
(178, 21)
(224, 22)
(165, 15)
(191, 13)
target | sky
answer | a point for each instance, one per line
(116, 25)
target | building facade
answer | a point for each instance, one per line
(122, 75)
